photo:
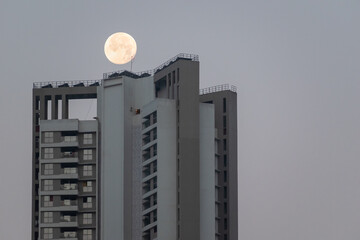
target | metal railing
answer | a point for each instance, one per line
(187, 56)
(59, 84)
(217, 88)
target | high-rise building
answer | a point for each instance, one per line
(158, 162)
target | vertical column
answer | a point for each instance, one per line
(65, 107)
(54, 107)
(43, 107)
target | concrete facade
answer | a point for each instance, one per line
(156, 172)
(224, 100)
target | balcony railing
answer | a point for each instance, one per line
(68, 235)
(69, 154)
(68, 202)
(217, 88)
(69, 186)
(68, 219)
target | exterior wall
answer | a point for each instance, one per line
(41, 98)
(207, 172)
(117, 103)
(166, 173)
(66, 195)
(226, 131)
(182, 84)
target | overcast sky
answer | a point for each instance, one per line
(295, 64)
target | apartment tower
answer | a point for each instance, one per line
(157, 162)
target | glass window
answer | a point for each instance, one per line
(87, 170)
(87, 202)
(48, 201)
(48, 137)
(225, 176)
(70, 138)
(49, 153)
(48, 233)
(87, 186)
(49, 169)
(48, 217)
(88, 154)
(87, 234)
(224, 105)
(48, 185)
(87, 218)
(88, 139)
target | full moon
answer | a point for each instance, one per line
(120, 48)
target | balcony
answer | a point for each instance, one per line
(64, 141)
(65, 205)
(63, 221)
(64, 173)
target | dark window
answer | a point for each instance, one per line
(224, 144)
(224, 105)
(178, 75)
(225, 207)
(225, 192)
(225, 237)
(225, 224)
(225, 160)
(225, 176)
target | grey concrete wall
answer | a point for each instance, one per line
(207, 171)
(118, 100)
(231, 153)
(186, 92)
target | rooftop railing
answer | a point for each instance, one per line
(192, 57)
(60, 84)
(186, 56)
(217, 88)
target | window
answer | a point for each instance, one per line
(87, 234)
(48, 169)
(87, 170)
(225, 237)
(224, 105)
(87, 218)
(48, 233)
(70, 139)
(48, 153)
(225, 192)
(48, 185)
(154, 115)
(48, 137)
(67, 202)
(70, 170)
(88, 154)
(48, 217)
(225, 160)
(224, 144)
(225, 223)
(88, 138)
(224, 125)
(225, 207)
(225, 176)
(87, 202)
(48, 201)
(87, 186)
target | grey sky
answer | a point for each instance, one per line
(296, 66)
